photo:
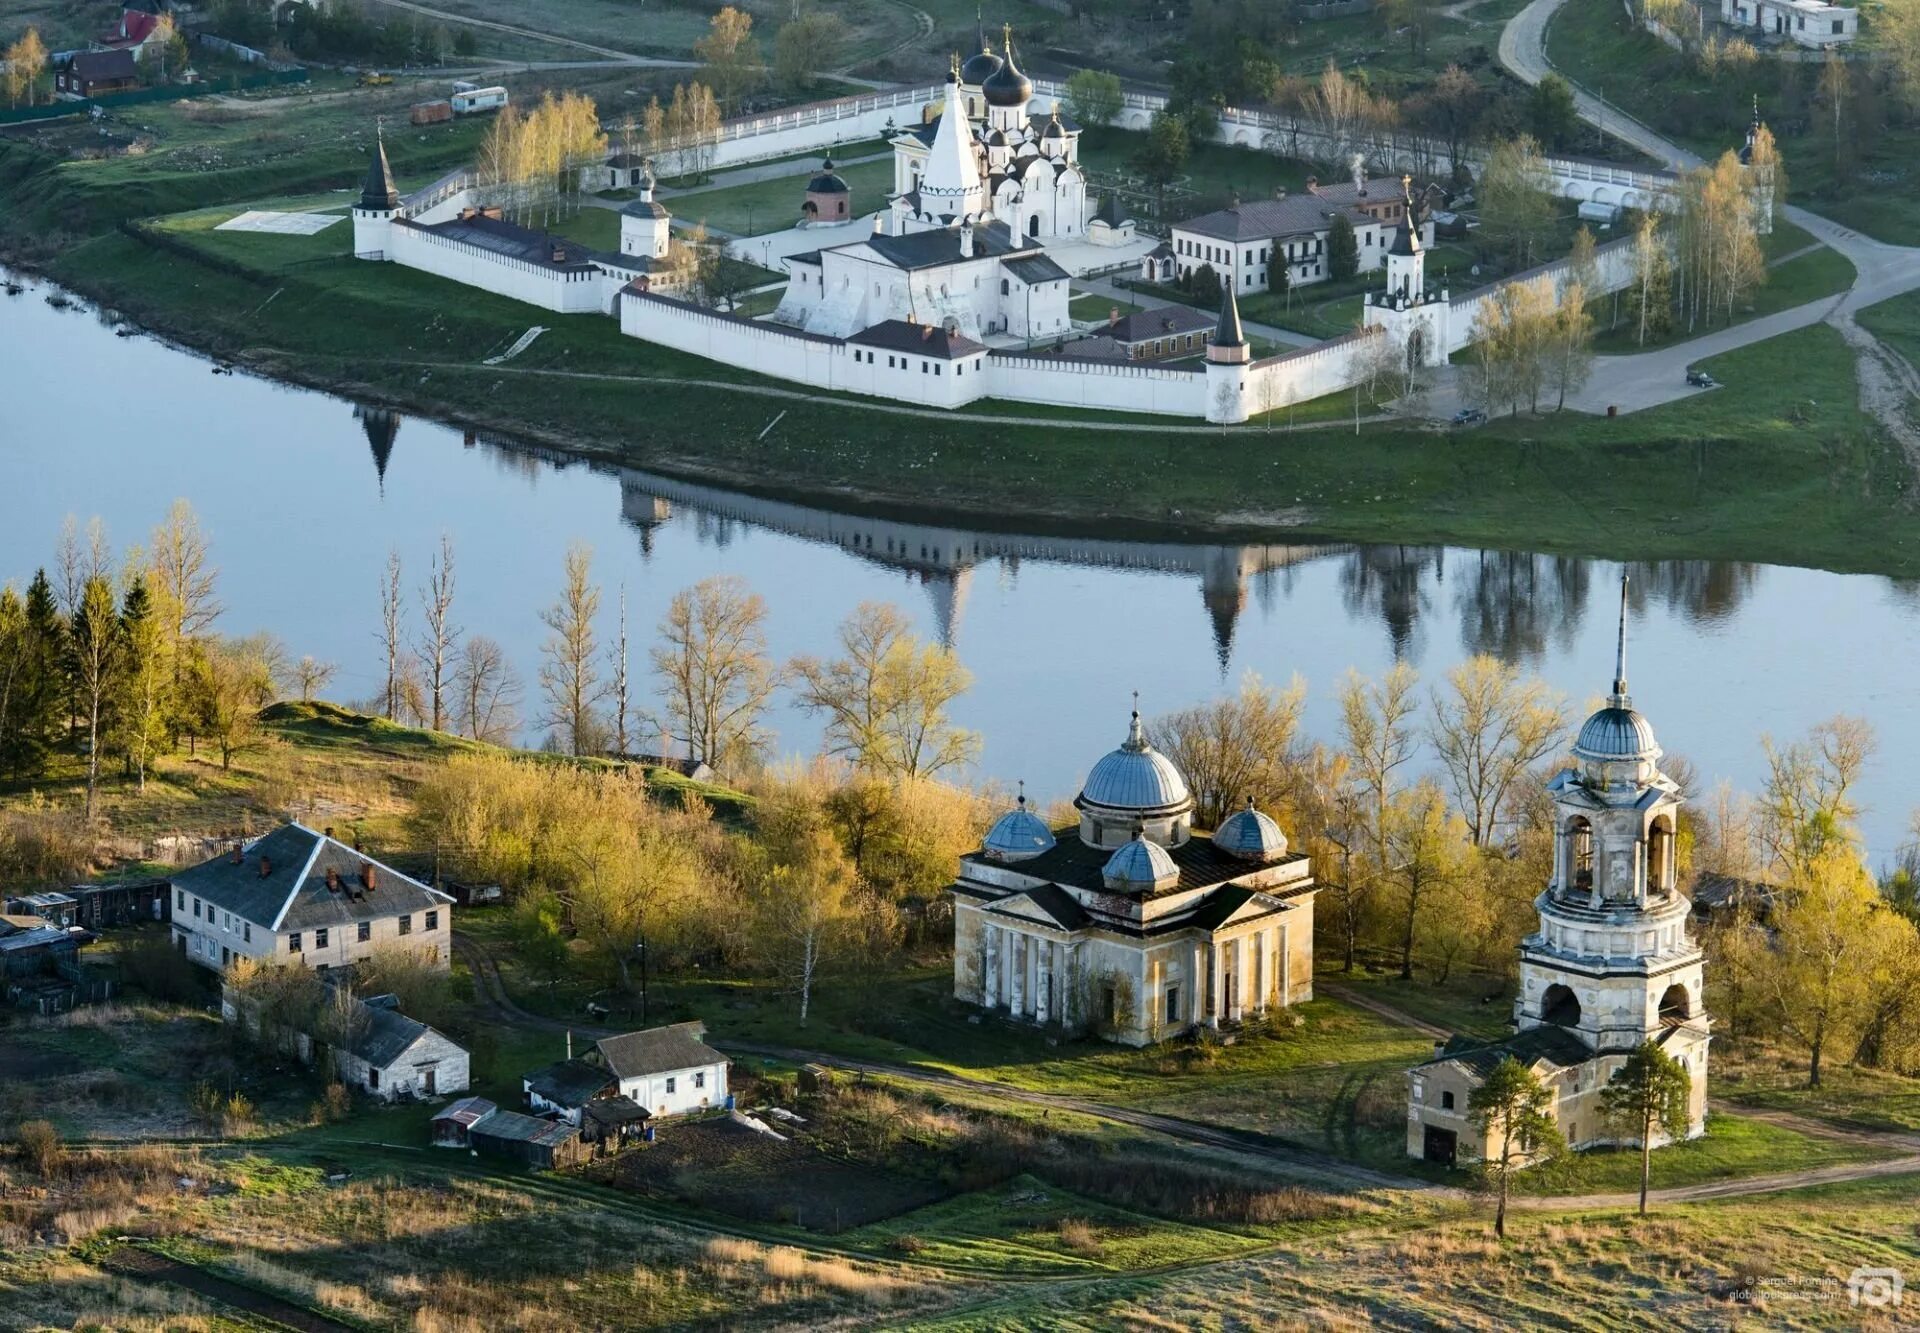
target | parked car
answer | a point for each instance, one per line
(1699, 379)
(1469, 416)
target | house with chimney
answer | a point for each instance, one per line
(1248, 244)
(296, 896)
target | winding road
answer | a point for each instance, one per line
(1887, 380)
(1317, 1167)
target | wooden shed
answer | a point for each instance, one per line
(453, 1124)
(545, 1144)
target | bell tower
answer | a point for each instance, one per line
(1413, 317)
(1612, 961)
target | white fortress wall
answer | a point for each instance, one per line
(1311, 372)
(573, 292)
(1613, 261)
(1023, 377)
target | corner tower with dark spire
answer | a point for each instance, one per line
(1228, 361)
(379, 204)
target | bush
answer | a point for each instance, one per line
(40, 1147)
(162, 972)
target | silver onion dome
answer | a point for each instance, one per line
(1136, 777)
(1139, 865)
(1249, 835)
(1018, 834)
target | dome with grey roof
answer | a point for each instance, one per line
(1007, 86)
(1017, 835)
(980, 66)
(1618, 733)
(1249, 835)
(1140, 864)
(1136, 777)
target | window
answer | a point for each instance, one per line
(700, 1079)
(226, 922)
(406, 923)
(364, 932)
(670, 1083)
(293, 942)
(196, 909)
(433, 920)
(923, 367)
(1173, 1004)
(246, 931)
(320, 938)
(373, 1077)
(179, 900)
(1446, 1101)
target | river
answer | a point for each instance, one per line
(303, 494)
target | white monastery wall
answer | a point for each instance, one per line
(1311, 372)
(1613, 262)
(1025, 378)
(577, 292)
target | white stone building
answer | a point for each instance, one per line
(990, 155)
(666, 1070)
(1612, 965)
(1809, 23)
(387, 1055)
(1129, 924)
(1248, 244)
(296, 896)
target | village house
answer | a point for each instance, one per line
(1612, 964)
(1808, 23)
(1131, 923)
(137, 32)
(1248, 244)
(297, 896)
(564, 1087)
(96, 73)
(667, 1070)
(390, 1056)
(56, 909)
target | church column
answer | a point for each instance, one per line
(1043, 980)
(1216, 988)
(1285, 969)
(1197, 987)
(1257, 953)
(990, 966)
(1065, 1005)
(1017, 970)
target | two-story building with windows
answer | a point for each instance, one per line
(1248, 244)
(297, 896)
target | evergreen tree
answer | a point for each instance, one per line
(1649, 1095)
(35, 714)
(1513, 1108)
(1343, 249)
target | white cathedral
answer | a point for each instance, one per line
(980, 190)
(1612, 964)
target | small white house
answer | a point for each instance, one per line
(469, 101)
(1809, 23)
(667, 1070)
(390, 1056)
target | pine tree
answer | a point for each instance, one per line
(1513, 1108)
(1343, 249)
(1647, 1096)
(36, 713)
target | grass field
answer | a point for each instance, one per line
(760, 207)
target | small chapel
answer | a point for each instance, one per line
(1129, 923)
(1612, 964)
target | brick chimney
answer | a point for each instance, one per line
(266, 867)
(367, 876)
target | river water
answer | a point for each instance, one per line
(303, 494)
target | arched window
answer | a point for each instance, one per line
(1560, 1007)
(1580, 852)
(1006, 288)
(1446, 1101)
(1660, 855)
(1676, 1006)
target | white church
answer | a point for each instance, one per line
(1611, 966)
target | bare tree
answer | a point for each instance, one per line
(312, 675)
(391, 635)
(715, 677)
(1490, 727)
(886, 700)
(1237, 748)
(621, 705)
(96, 650)
(486, 690)
(570, 671)
(186, 583)
(1377, 725)
(439, 636)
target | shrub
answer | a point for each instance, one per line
(162, 972)
(237, 1114)
(40, 1147)
(1077, 1234)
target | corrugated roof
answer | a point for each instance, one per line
(468, 1111)
(899, 335)
(1035, 268)
(380, 1036)
(293, 895)
(1263, 219)
(512, 1127)
(662, 1050)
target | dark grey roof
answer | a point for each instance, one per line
(1095, 347)
(1058, 904)
(659, 1050)
(979, 67)
(512, 1127)
(643, 208)
(467, 1111)
(627, 160)
(381, 1036)
(116, 64)
(1112, 211)
(570, 1082)
(1071, 862)
(898, 335)
(1007, 86)
(1159, 322)
(827, 181)
(1262, 219)
(614, 1111)
(293, 895)
(1227, 332)
(378, 191)
(512, 241)
(1556, 1045)
(1067, 123)
(941, 245)
(924, 133)
(1031, 269)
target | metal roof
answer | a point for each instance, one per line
(1018, 833)
(570, 1082)
(293, 894)
(899, 335)
(1073, 863)
(1249, 835)
(1136, 777)
(468, 1111)
(1615, 734)
(380, 1036)
(512, 1127)
(1146, 325)
(1140, 865)
(662, 1050)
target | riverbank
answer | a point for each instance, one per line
(1778, 466)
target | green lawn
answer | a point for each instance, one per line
(1896, 323)
(1774, 1080)
(760, 207)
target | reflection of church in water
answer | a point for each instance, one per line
(944, 559)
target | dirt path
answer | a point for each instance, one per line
(144, 1266)
(1327, 1170)
(1382, 1008)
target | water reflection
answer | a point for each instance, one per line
(1517, 606)
(381, 427)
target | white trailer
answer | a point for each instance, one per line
(478, 99)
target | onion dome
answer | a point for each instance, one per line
(1007, 86)
(1140, 866)
(1136, 777)
(1018, 834)
(828, 181)
(1054, 129)
(980, 66)
(1248, 835)
(1618, 735)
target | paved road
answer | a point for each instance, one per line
(1324, 1168)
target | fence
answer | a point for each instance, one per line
(80, 106)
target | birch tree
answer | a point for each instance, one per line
(715, 678)
(439, 636)
(806, 901)
(487, 690)
(392, 635)
(96, 648)
(1490, 727)
(570, 667)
